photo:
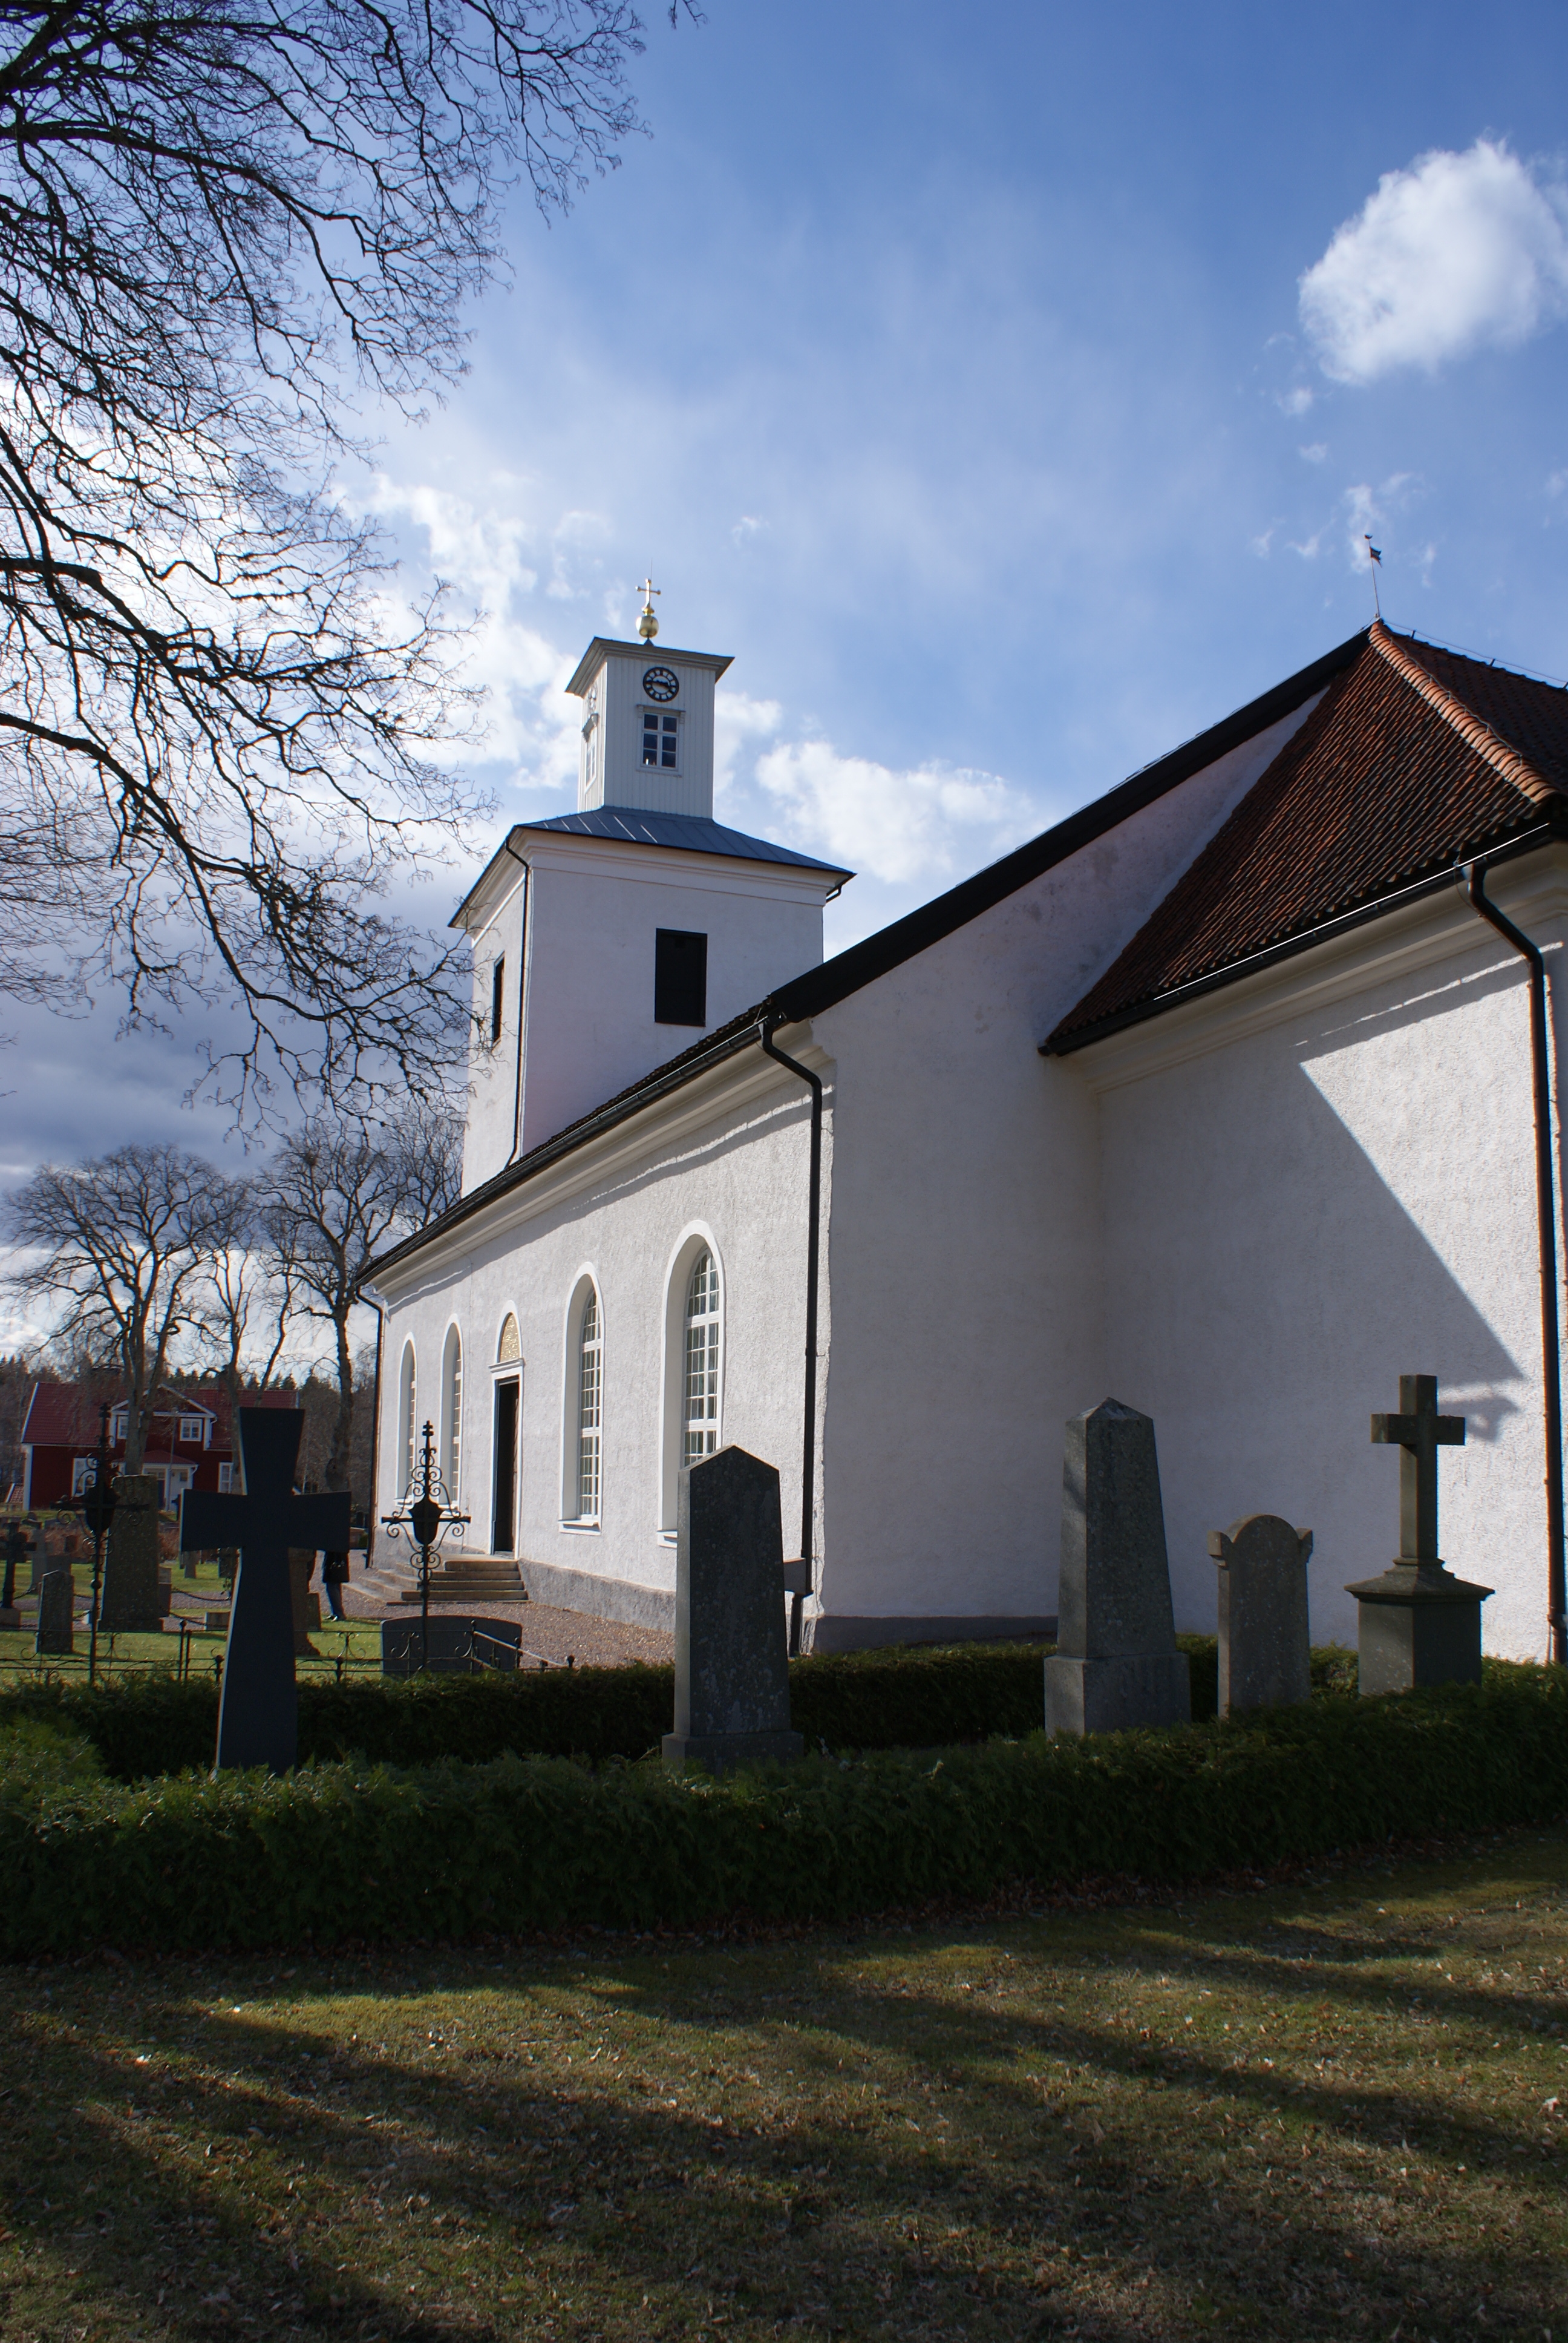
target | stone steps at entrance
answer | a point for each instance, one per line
(467, 1578)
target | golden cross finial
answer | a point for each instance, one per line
(648, 625)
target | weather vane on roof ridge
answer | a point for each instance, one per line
(1374, 564)
(648, 625)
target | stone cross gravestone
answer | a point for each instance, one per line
(1419, 1625)
(1264, 1644)
(128, 1603)
(56, 1607)
(259, 1707)
(732, 1660)
(1116, 1663)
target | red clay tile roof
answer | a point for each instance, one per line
(1414, 759)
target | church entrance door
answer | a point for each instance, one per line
(504, 1535)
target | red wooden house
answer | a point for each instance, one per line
(189, 1441)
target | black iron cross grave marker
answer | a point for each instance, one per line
(1419, 1432)
(258, 1710)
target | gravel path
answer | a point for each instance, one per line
(548, 1633)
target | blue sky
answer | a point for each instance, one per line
(953, 370)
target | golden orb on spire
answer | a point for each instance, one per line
(648, 625)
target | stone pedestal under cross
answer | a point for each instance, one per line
(258, 1710)
(1419, 1625)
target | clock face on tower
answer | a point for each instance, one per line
(661, 683)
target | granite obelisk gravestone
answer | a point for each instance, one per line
(1264, 1643)
(1116, 1663)
(258, 1710)
(732, 1656)
(56, 1607)
(1419, 1623)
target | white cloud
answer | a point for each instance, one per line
(1294, 402)
(1457, 251)
(738, 722)
(1314, 453)
(924, 823)
(490, 558)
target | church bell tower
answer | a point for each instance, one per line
(610, 940)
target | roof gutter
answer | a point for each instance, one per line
(1326, 930)
(1546, 1235)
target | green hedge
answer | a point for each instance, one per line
(914, 1697)
(353, 1851)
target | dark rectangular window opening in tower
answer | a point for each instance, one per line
(498, 997)
(660, 740)
(679, 977)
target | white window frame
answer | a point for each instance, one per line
(79, 1473)
(226, 1479)
(693, 1242)
(119, 1426)
(407, 1415)
(582, 1441)
(646, 708)
(449, 1455)
(193, 1431)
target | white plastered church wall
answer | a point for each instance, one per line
(1314, 1181)
(965, 1248)
(730, 1161)
(595, 913)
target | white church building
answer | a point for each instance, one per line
(1219, 1096)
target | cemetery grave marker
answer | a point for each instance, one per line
(732, 1656)
(129, 1601)
(57, 1606)
(258, 1704)
(1116, 1665)
(1265, 1658)
(1419, 1625)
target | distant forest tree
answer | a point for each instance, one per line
(225, 231)
(117, 1251)
(341, 1191)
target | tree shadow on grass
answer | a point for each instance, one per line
(564, 2201)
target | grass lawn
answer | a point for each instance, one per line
(360, 1645)
(1332, 2106)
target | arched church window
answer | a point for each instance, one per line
(589, 1404)
(510, 1345)
(407, 1406)
(452, 1406)
(699, 1419)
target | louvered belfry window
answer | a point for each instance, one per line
(590, 1389)
(700, 1420)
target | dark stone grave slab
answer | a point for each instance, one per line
(1264, 1640)
(56, 1612)
(129, 1601)
(731, 1652)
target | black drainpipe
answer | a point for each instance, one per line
(1546, 1227)
(765, 1033)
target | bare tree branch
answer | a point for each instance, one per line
(221, 221)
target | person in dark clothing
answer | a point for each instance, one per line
(334, 1571)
